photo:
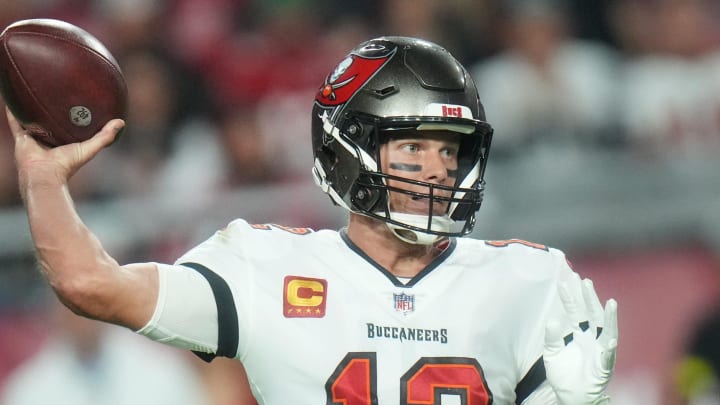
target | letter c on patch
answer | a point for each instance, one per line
(305, 293)
(304, 297)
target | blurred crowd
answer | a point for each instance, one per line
(607, 128)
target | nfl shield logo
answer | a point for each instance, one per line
(404, 303)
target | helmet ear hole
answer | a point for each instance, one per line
(366, 193)
(361, 133)
(354, 129)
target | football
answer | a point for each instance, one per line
(59, 81)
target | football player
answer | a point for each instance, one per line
(395, 308)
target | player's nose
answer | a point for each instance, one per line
(435, 167)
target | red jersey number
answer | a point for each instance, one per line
(354, 381)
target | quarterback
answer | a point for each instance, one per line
(396, 307)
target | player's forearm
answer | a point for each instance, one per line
(72, 259)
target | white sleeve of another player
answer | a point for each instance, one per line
(185, 314)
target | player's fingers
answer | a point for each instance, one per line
(15, 127)
(25, 144)
(559, 329)
(592, 304)
(609, 336)
(570, 303)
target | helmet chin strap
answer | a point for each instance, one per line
(438, 224)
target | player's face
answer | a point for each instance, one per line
(428, 156)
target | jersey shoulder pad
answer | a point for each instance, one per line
(284, 228)
(516, 242)
(241, 226)
(525, 250)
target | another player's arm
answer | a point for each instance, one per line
(82, 274)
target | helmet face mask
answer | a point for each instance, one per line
(390, 85)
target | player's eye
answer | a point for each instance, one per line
(450, 152)
(411, 148)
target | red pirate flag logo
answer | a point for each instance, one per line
(348, 77)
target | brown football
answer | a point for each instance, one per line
(59, 81)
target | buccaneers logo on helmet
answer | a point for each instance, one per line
(348, 77)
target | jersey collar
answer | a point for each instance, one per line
(451, 244)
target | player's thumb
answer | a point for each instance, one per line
(84, 151)
(609, 336)
(109, 133)
(608, 356)
(103, 138)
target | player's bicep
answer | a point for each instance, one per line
(185, 315)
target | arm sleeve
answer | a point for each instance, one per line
(186, 313)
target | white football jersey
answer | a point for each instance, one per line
(316, 321)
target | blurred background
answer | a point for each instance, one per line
(607, 119)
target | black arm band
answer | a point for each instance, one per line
(534, 377)
(226, 313)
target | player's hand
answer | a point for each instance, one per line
(59, 163)
(580, 369)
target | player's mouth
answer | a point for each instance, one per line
(419, 205)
